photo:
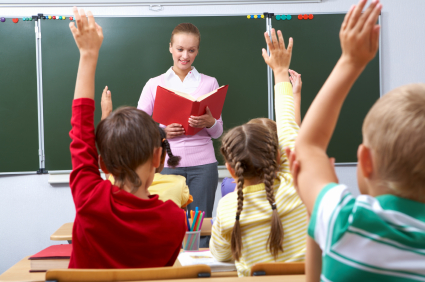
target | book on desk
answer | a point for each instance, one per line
(53, 257)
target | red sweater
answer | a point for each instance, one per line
(114, 228)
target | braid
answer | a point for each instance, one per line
(173, 161)
(275, 239)
(244, 151)
(236, 241)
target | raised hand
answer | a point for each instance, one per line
(359, 33)
(88, 35)
(280, 57)
(295, 79)
(106, 103)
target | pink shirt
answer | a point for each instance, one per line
(193, 149)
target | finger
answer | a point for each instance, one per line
(77, 17)
(265, 56)
(274, 39)
(281, 41)
(372, 19)
(332, 160)
(375, 38)
(288, 154)
(83, 16)
(72, 27)
(290, 44)
(175, 125)
(104, 91)
(108, 94)
(90, 20)
(356, 14)
(208, 111)
(99, 30)
(347, 18)
(365, 16)
(268, 41)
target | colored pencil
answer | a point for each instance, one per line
(187, 222)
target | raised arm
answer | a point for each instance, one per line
(279, 60)
(88, 37)
(106, 103)
(296, 82)
(85, 170)
(359, 37)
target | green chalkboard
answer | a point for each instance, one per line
(136, 49)
(316, 51)
(18, 98)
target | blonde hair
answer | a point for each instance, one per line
(251, 150)
(394, 129)
(186, 28)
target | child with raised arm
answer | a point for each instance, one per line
(166, 186)
(380, 235)
(118, 226)
(229, 184)
(264, 220)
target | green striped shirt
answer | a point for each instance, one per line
(367, 238)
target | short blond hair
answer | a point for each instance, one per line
(394, 129)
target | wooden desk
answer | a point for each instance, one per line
(20, 272)
(64, 233)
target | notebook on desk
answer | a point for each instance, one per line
(205, 257)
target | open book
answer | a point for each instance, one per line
(176, 107)
(205, 257)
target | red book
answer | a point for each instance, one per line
(176, 107)
(53, 257)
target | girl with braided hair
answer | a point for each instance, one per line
(264, 220)
(167, 187)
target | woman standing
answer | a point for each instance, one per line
(198, 163)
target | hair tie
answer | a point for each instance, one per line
(237, 217)
(273, 206)
(163, 140)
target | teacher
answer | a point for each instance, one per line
(198, 163)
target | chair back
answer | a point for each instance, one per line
(133, 274)
(278, 268)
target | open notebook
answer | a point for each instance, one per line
(205, 257)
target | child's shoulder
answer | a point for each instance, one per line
(169, 178)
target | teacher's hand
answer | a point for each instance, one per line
(174, 130)
(206, 120)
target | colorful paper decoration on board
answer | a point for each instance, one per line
(305, 17)
(283, 17)
(255, 16)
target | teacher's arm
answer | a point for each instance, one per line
(147, 98)
(146, 104)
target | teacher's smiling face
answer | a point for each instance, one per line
(184, 48)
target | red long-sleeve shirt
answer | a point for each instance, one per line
(114, 228)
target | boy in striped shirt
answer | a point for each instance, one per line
(380, 235)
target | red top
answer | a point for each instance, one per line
(114, 228)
